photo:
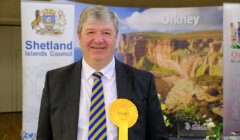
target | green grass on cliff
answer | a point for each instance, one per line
(144, 63)
(202, 70)
(179, 53)
(217, 34)
(201, 34)
(164, 70)
(206, 80)
(216, 70)
(153, 35)
(209, 70)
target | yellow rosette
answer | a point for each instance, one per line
(123, 113)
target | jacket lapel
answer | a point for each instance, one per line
(72, 91)
(123, 80)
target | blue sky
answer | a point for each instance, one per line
(169, 20)
(152, 19)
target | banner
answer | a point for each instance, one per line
(231, 69)
(182, 47)
(47, 43)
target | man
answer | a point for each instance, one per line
(67, 96)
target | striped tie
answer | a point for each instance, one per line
(97, 120)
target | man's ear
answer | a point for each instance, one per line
(79, 38)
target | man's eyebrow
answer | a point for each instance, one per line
(92, 29)
(107, 30)
(89, 29)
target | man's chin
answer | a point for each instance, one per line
(99, 59)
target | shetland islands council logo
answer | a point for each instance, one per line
(49, 22)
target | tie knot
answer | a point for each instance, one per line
(97, 75)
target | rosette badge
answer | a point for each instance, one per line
(123, 113)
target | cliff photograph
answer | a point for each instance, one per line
(188, 71)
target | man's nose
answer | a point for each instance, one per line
(98, 38)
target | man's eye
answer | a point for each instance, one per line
(89, 33)
(107, 33)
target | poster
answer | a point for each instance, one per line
(47, 43)
(182, 48)
(231, 69)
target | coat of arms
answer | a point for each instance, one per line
(49, 22)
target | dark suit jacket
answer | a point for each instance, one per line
(58, 119)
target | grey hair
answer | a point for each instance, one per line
(97, 12)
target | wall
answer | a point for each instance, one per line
(159, 3)
(10, 69)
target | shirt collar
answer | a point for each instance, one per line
(107, 71)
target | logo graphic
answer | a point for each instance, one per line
(235, 35)
(49, 22)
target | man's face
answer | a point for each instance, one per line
(98, 40)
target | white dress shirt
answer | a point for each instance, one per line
(110, 95)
